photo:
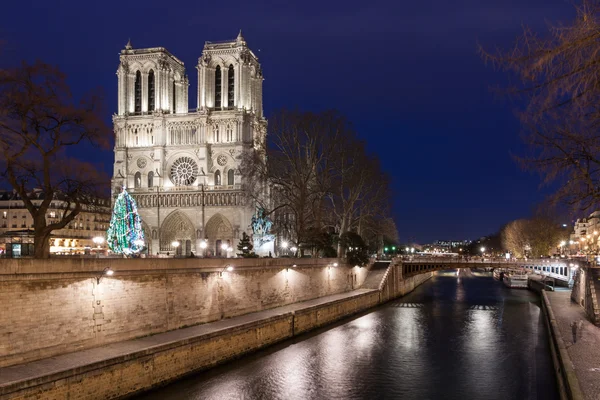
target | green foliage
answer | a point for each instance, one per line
(245, 247)
(320, 242)
(356, 250)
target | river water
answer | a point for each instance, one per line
(454, 337)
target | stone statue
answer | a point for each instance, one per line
(261, 226)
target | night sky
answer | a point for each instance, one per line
(406, 74)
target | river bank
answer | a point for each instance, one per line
(127, 367)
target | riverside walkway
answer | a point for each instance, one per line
(584, 351)
(44, 373)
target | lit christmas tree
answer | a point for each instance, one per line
(125, 234)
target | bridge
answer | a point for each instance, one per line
(560, 269)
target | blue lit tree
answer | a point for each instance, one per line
(125, 234)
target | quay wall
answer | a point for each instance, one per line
(134, 372)
(58, 306)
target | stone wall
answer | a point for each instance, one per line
(57, 306)
(140, 370)
(395, 285)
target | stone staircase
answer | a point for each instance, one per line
(593, 289)
(377, 274)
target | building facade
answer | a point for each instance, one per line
(182, 165)
(586, 234)
(16, 226)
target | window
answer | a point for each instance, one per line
(138, 92)
(216, 133)
(230, 86)
(151, 100)
(174, 97)
(218, 87)
(217, 178)
(137, 180)
(230, 177)
(229, 133)
(150, 179)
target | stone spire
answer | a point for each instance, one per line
(240, 38)
(128, 45)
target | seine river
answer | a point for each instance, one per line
(466, 337)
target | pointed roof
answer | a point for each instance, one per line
(240, 38)
(128, 45)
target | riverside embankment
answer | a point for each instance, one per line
(126, 333)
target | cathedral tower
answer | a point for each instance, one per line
(182, 166)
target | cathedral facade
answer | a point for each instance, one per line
(182, 165)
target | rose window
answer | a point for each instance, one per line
(222, 160)
(184, 171)
(141, 162)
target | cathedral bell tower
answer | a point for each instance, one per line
(229, 77)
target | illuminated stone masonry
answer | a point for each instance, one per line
(182, 165)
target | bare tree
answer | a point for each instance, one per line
(559, 76)
(39, 123)
(514, 237)
(289, 178)
(537, 236)
(359, 189)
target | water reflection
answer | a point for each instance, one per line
(473, 339)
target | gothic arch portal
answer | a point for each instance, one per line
(177, 228)
(219, 231)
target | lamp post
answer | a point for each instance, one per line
(225, 247)
(98, 240)
(175, 244)
(203, 246)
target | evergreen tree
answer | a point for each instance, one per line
(125, 234)
(245, 247)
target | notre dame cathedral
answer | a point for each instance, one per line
(182, 165)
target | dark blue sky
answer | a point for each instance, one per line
(406, 73)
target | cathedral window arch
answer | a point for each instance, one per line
(230, 179)
(138, 92)
(229, 133)
(218, 83)
(230, 86)
(137, 181)
(217, 178)
(150, 179)
(151, 91)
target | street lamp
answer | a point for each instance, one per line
(98, 240)
(107, 271)
(227, 268)
(175, 244)
(284, 244)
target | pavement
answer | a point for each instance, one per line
(584, 350)
(91, 358)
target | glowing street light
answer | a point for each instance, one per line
(98, 240)
(203, 244)
(482, 249)
(284, 244)
(175, 243)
